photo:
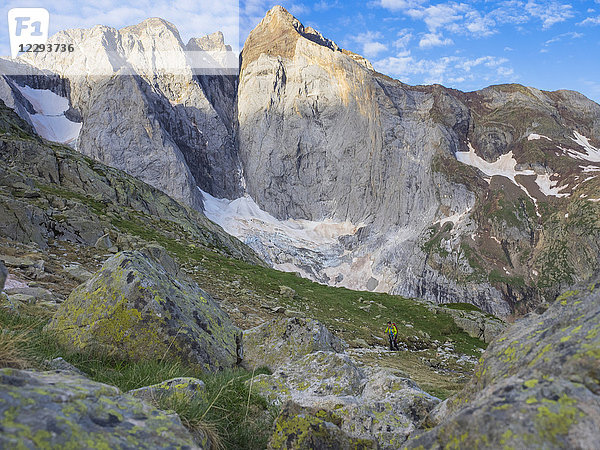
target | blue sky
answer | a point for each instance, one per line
(465, 45)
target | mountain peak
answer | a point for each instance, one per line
(151, 25)
(210, 42)
(278, 33)
(155, 29)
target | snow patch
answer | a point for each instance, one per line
(592, 154)
(536, 137)
(504, 166)
(242, 217)
(548, 187)
(587, 169)
(454, 218)
(49, 119)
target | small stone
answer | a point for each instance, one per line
(78, 272)
(3, 275)
(360, 342)
(62, 365)
(192, 388)
(21, 298)
(103, 242)
(287, 292)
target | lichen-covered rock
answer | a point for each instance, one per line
(136, 309)
(61, 410)
(190, 388)
(282, 340)
(317, 375)
(537, 386)
(390, 408)
(367, 404)
(297, 428)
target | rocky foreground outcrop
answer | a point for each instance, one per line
(537, 386)
(63, 410)
(136, 308)
(330, 400)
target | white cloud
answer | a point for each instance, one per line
(480, 21)
(434, 40)
(560, 37)
(397, 5)
(404, 37)
(439, 16)
(371, 47)
(448, 69)
(549, 13)
(590, 21)
(326, 5)
(479, 25)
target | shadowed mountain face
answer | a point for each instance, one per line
(352, 178)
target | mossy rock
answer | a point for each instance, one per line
(61, 410)
(297, 428)
(135, 309)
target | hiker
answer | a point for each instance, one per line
(392, 332)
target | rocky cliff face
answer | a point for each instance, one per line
(144, 110)
(482, 196)
(340, 173)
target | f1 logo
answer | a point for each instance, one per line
(27, 26)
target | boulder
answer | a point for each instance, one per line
(78, 273)
(317, 375)
(103, 242)
(477, 324)
(3, 275)
(297, 428)
(189, 388)
(371, 405)
(31, 294)
(536, 386)
(63, 410)
(134, 308)
(282, 340)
